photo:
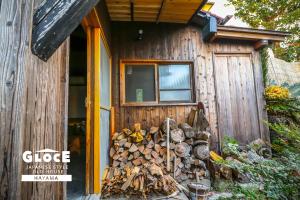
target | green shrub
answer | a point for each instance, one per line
(274, 178)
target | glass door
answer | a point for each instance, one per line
(105, 107)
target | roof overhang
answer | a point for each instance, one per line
(54, 21)
(213, 31)
(240, 33)
(173, 11)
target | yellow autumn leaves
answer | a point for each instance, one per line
(215, 156)
(276, 92)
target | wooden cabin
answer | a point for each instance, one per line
(145, 60)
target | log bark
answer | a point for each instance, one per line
(134, 172)
(137, 161)
(148, 157)
(182, 149)
(147, 151)
(130, 157)
(172, 124)
(133, 148)
(154, 130)
(191, 117)
(141, 148)
(177, 135)
(155, 170)
(122, 142)
(136, 154)
(188, 130)
(157, 148)
(201, 123)
(154, 154)
(127, 145)
(150, 145)
(112, 152)
(201, 152)
(203, 135)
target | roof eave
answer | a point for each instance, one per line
(250, 33)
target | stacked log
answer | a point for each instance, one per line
(191, 151)
(139, 159)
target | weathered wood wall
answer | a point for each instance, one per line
(33, 102)
(151, 115)
(171, 42)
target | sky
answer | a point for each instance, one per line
(222, 10)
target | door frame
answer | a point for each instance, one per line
(95, 35)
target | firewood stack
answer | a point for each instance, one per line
(139, 159)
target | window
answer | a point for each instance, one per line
(140, 83)
(156, 83)
(175, 82)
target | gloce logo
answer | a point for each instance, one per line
(46, 165)
(48, 156)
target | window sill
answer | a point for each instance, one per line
(157, 105)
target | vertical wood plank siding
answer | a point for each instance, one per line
(236, 97)
(175, 42)
(33, 103)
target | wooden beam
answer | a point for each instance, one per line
(42, 11)
(132, 10)
(92, 19)
(89, 116)
(97, 86)
(160, 10)
(54, 22)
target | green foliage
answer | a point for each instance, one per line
(239, 191)
(276, 178)
(269, 178)
(284, 107)
(281, 15)
(230, 146)
(264, 62)
(291, 132)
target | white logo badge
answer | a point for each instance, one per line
(46, 165)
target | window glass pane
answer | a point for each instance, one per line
(140, 83)
(105, 77)
(179, 95)
(174, 76)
